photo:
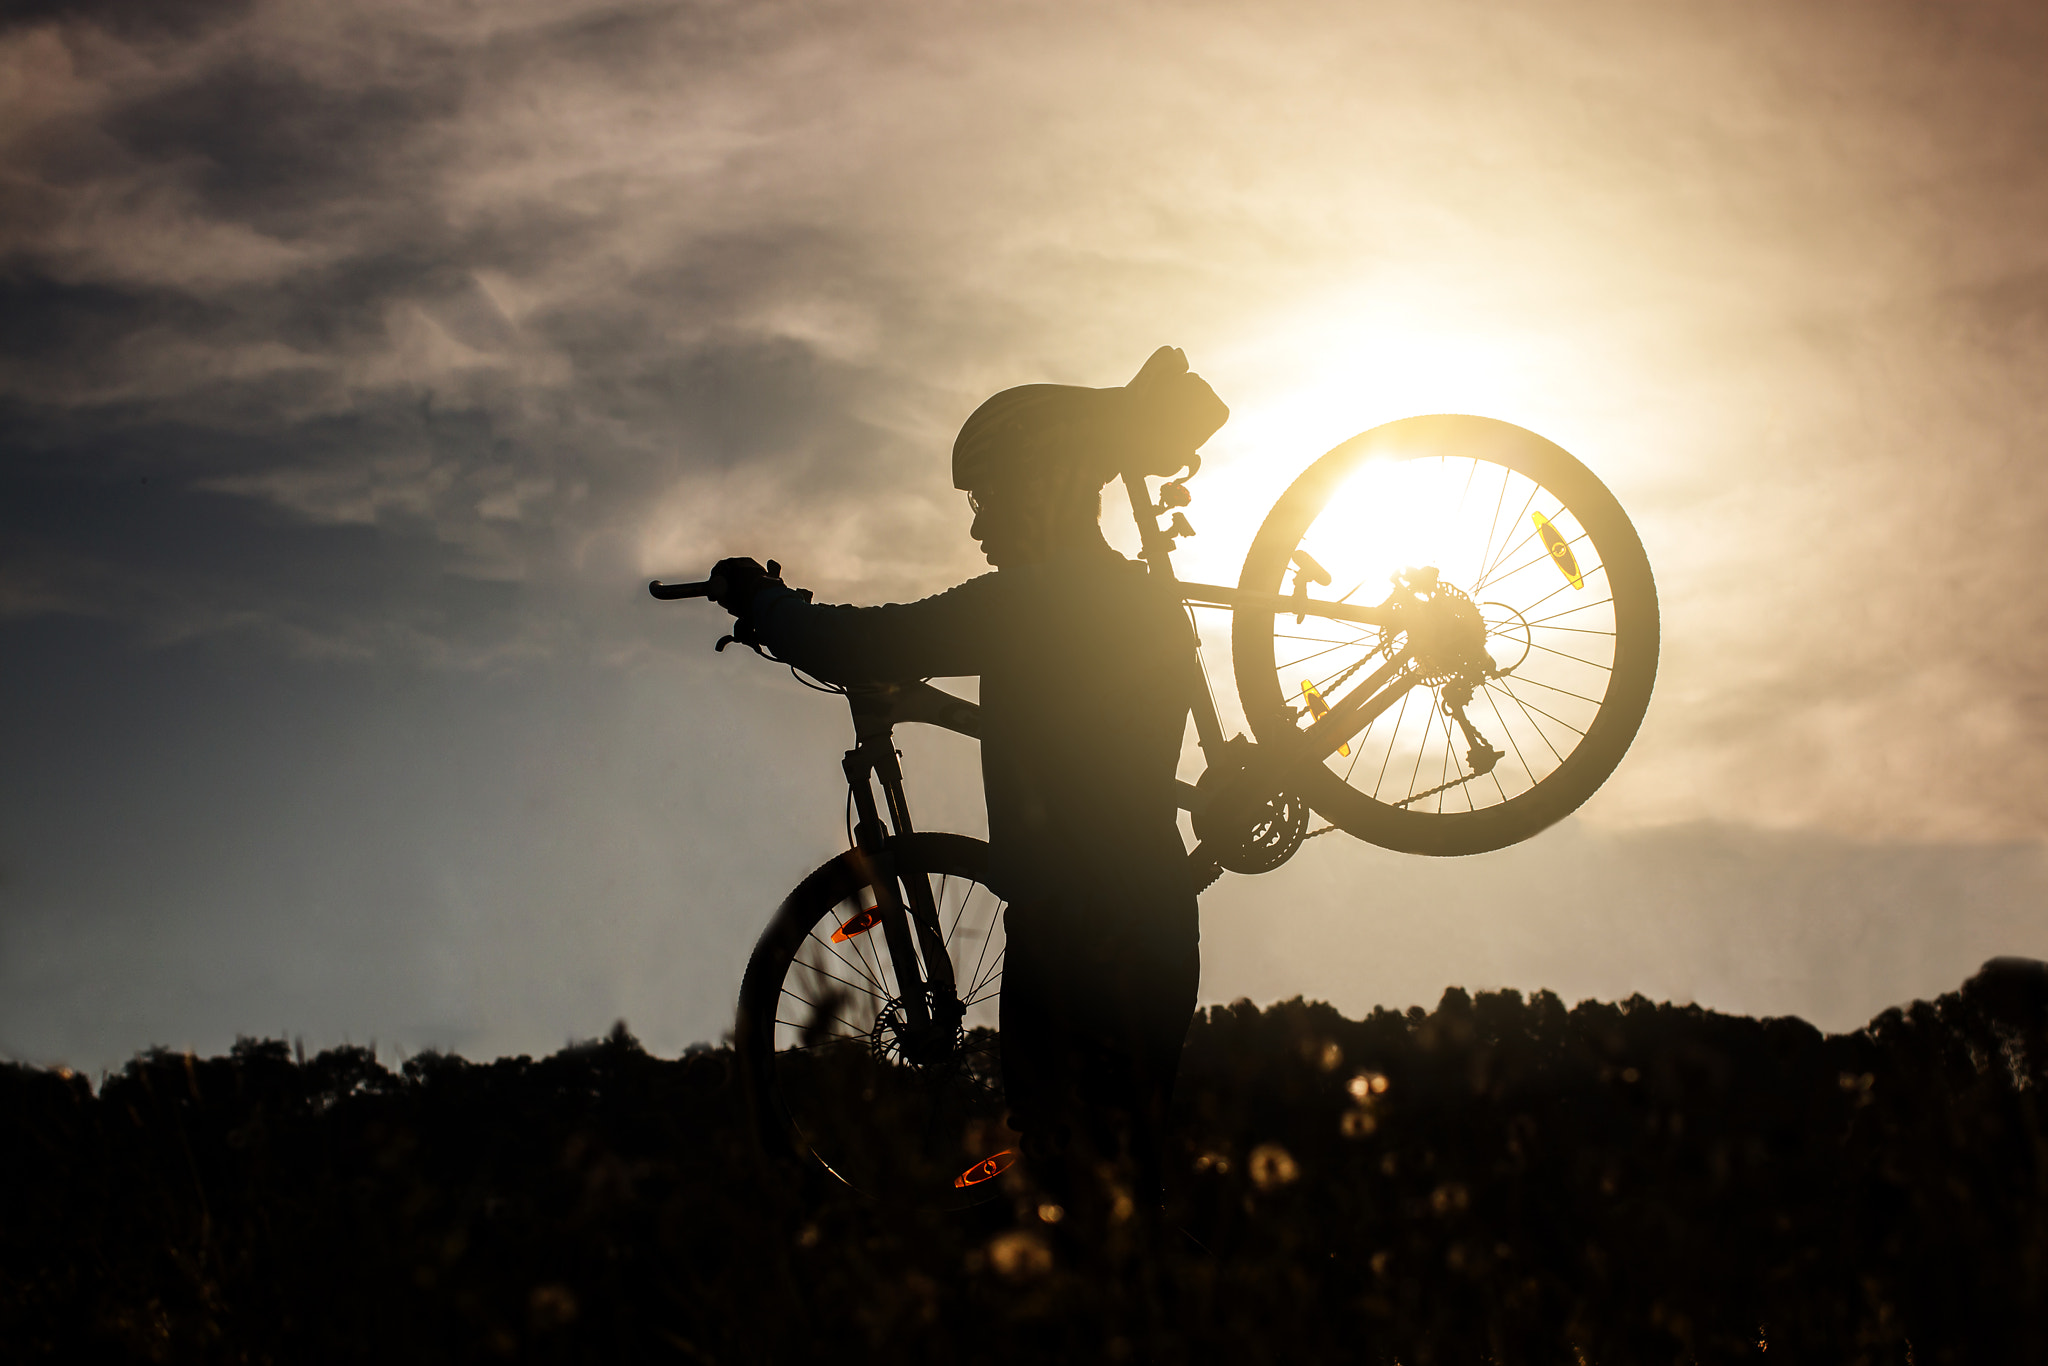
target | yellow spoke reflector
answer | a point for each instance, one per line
(988, 1169)
(1560, 549)
(1318, 708)
(860, 924)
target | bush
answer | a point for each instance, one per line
(1500, 1179)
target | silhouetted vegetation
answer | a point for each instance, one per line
(1500, 1179)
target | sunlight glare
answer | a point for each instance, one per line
(1321, 375)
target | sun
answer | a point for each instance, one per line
(1306, 383)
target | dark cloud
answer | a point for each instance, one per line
(179, 20)
(55, 333)
(285, 154)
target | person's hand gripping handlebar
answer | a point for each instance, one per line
(732, 585)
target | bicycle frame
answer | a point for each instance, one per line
(925, 978)
(926, 975)
(1344, 719)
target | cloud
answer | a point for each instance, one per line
(549, 298)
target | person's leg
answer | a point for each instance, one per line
(1095, 1008)
(1158, 972)
(1036, 1066)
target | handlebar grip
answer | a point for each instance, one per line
(670, 591)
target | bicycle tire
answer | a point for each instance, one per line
(813, 1036)
(1496, 810)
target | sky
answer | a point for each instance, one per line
(359, 364)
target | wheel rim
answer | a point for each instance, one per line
(1573, 634)
(897, 1113)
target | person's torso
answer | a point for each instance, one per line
(1083, 712)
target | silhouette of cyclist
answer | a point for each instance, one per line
(1084, 700)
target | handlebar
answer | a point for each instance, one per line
(707, 588)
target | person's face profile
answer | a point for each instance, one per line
(994, 526)
(1012, 525)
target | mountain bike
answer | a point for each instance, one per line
(1481, 673)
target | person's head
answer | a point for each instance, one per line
(1032, 520)
(1034, 459)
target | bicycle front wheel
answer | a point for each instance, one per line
(840, 1068)
(1509, 533)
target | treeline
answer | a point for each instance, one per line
(1502, 1179)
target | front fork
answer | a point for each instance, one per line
(926, 991)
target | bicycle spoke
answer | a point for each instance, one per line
(985, 991)
(1444, 772)
(995, 970)
(819, 1010)
(945, 880)
(1493, 527)
(1392, 741)
(1328, 683)
(1321, 640)
(1358, 750)
(818, 971)
(1561, 588)
(1589, 663)
(1576, 630)
(861, 967)
(871, 958)
(1584, 606)
(1453, 775)
(1493, 575)
(1513, 743)
(1537, 682)
(985, 939)
(1529, 706)
(1532, 726)
(1296, 663)
(1507, 550)
(1421, 748)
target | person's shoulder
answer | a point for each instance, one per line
(976, 589)
(1105, 563)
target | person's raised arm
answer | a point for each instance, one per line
(949, 635)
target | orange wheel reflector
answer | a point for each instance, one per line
(1560, 550)
(1318, 708)
(860, 924)
(988, 1169)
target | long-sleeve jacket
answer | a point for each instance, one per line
(1084, 700)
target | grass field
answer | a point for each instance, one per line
(1500, 1179)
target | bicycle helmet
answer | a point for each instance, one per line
(1153, 425)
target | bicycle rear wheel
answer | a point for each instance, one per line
(836, 1071)
(1521, 536)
